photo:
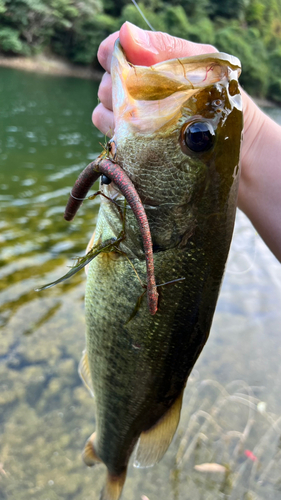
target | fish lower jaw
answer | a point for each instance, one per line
(112, 192)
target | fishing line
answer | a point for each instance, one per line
(142, 15)
(252, 263)
(75, 198)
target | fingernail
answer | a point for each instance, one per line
(141, 37)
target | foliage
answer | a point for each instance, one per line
(250, 29)
(10, 42)
(249, 49)
(80, 42)
(177, 22)
(229, 9)
(130, 13)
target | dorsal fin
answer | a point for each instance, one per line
(154, 443)
(84, 372)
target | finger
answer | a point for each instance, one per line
(103, 119)
(150, 47)
(105, 51)
(105, 91)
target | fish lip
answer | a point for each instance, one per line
(233, 61)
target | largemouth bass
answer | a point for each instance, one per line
(177, 142)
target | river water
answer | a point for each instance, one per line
(232, 406)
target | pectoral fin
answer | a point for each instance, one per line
(154, 443)
(84, 372)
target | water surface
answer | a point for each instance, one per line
(232, 402)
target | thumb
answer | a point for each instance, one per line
(145, 48)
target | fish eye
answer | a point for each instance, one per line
(197, 136)
(105, 179)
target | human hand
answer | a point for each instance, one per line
(143, 48)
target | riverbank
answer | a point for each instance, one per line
(50, 65)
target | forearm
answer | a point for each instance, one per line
(260, 185)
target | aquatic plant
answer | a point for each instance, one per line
(232, 442)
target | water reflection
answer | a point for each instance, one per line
(46, 414)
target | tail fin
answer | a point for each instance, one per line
(113, 486)
(114, 483)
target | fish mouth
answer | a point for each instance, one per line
(147, 99)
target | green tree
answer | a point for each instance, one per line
(131, 14)
(10, 42)
(230, 9)
(31, 19)
(250, 29)
(248, 47)
(274, 77)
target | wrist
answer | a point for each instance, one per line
(254, 121)
(260, 182)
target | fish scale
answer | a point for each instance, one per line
(137, 363)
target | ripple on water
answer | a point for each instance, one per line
(45, 413)
(64, 172)
(42, 198)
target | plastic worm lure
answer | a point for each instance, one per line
(114, 172)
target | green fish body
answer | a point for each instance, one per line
(187, 178)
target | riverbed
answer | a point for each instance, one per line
(232, 407)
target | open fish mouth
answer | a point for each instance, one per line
(148, 99)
